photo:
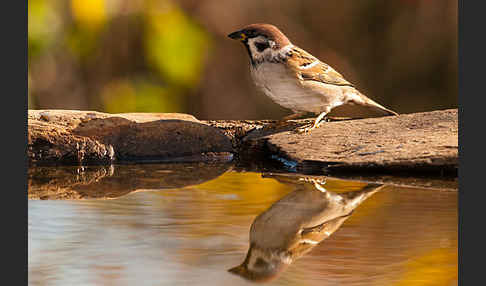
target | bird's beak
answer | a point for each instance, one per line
(238, 35)
(238, 270)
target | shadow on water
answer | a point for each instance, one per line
(294, 225)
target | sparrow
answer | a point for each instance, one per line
(296, 80)
(294, 225)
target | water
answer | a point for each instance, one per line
(165, 225)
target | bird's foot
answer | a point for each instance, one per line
(319, 120)
(306, 129)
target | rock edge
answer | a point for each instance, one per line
(419, 141)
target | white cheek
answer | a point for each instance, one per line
(254, 51)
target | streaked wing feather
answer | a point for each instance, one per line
(301, 62)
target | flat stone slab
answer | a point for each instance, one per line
(85, 137)
(410, 142)
(419, 141)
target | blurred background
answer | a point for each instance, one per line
(173, 55)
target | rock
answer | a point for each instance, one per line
(418, 142)
(69, 136)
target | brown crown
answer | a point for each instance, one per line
(268, 30)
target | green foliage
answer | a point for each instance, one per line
(176, 46)
(81, 42)
(43, 22)
(139, 96)
(77, 35)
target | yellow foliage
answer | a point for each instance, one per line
(91, 13)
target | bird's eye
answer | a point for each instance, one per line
(261, 46)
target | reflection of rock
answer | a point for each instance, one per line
(115, 181)
(294, 225)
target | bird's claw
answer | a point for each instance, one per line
(309, 128)
(306, 130)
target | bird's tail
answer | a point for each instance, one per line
(361, 106)
(380, 108)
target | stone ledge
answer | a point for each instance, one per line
(410, 142)
(419, 142)
(85, 137)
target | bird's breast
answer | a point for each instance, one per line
(278, 83)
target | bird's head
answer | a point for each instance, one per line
(261, 40)
(261, 265)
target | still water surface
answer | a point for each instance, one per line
(306, 231)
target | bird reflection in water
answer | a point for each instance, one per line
(294, 225)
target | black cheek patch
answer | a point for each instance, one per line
(262, 46)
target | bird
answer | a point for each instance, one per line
(294, 225)
(296, 80)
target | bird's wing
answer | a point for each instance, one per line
(309, 68)
(310, 237)
(312, 73)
